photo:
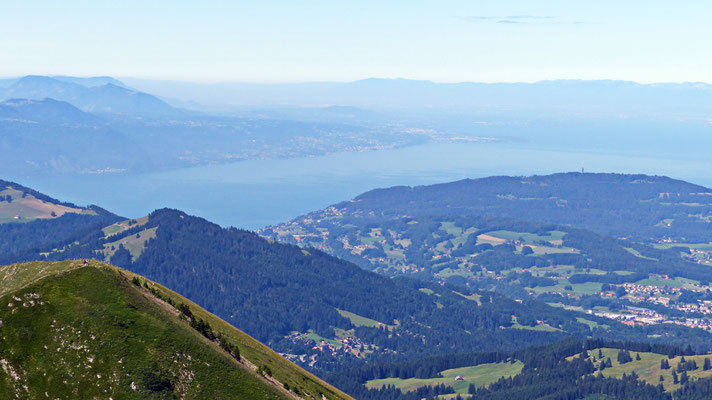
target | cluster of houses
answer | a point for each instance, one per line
(651, 293)
(635, 316)
(659, 295)
(699, 256)
(345, 346)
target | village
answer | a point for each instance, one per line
(316, 347)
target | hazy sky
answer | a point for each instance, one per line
(302, 40)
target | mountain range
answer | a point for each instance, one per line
(558, 98)
(98, 95)
(67, 125)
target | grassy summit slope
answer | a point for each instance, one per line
(20, 204)
(74, 331)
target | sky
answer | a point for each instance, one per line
(339, 40)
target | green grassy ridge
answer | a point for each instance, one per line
(26, 207)
(648, 367)
(479, 375)
(127, 333)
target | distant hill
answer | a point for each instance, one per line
(71, 125)
(30, 220)
(21, 204)
(638, 206)
(100, 95)
(75, 331)
(91, 81)
(54, 136)
(45, 111)
(556, 98)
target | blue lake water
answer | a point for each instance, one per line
(256, 193)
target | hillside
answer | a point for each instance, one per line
(30, 220)
(431, 234)
(638, 206)
(75, 331)
(22, 204)
(46, 135)
(324, 312)
(569, 369)
(45, 111)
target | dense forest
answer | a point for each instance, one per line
(611, 204)
(255, 284)
(25, 240)
(548, 373)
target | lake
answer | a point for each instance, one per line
(256, 193)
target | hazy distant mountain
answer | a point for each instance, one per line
(54, 136)
(46, 111)
(91, 81)
(558, 97)
(100, 95)
(5, 82)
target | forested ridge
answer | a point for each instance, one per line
(270, 290)
(550, 372)
(612, 204)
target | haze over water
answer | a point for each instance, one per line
(253, 194)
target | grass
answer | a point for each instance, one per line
(88, 327)
(648, 367)
(480, 375)
(17, 276)
(318, 339)
(448, 272)
(29, 208)
(539, 249)
(674, 282)
(591, 324)
(556, 269)
(358, 320)
(450, 228)
(696, 246)
(474, 297)
(555, 237)
(637, 254)
(123, 226)
(133, 244)
(489, 239)
(126, 330)
(580, 288)
(539, 327)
